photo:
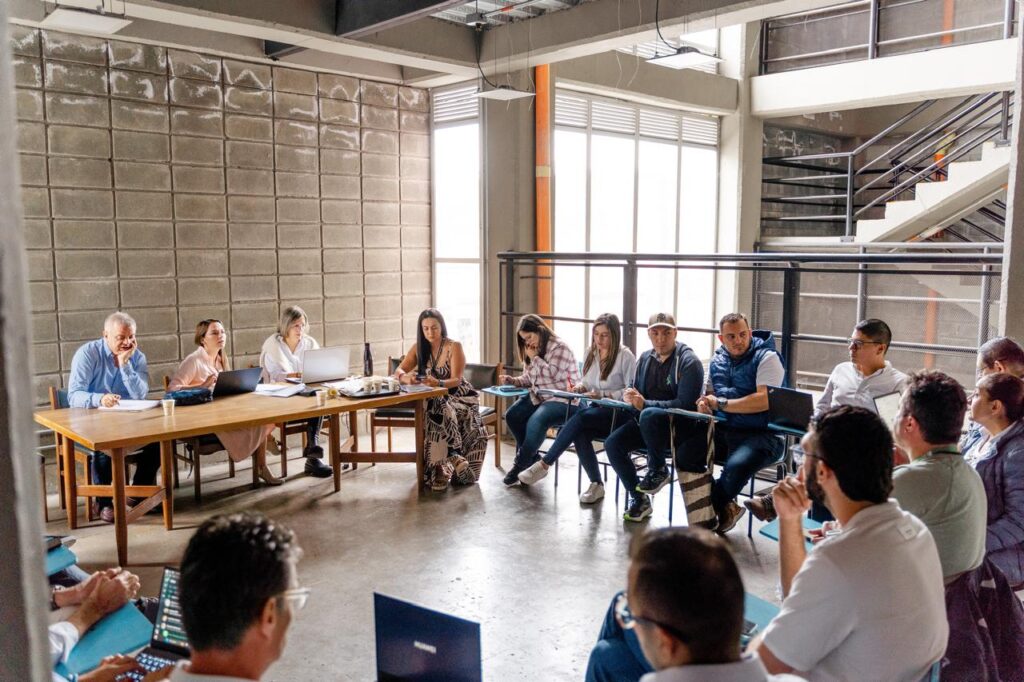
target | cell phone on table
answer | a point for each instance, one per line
(749, 628)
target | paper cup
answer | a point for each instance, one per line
(168, 406)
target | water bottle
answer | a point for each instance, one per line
(367, 361)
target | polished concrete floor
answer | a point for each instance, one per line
(532, 565)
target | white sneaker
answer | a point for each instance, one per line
(592, 494)
(533, 473)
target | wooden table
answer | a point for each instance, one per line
(120, 433)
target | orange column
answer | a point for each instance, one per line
(542, 135)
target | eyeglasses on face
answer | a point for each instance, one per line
(628, 621)
(857, 344)
(297, 596)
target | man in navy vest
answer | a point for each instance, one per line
(741, 371)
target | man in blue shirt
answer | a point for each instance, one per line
(741, 371)
(102, 372)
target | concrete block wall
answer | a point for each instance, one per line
(178, 186)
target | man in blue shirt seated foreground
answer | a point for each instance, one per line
(102, 373)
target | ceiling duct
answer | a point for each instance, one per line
(359, 18)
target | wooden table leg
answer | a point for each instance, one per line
(420, 404)
(334, 444)
(70, 482)
(166, 476)
(120, 505)
(353, 427)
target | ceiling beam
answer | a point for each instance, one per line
(358, 18)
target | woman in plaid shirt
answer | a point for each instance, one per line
(548, 363)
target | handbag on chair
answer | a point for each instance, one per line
(696, 487)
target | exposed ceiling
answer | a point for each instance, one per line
(405, 41)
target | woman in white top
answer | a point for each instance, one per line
(200, 369)
(607, 372)
(281, 358)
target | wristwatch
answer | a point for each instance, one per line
(723, 403)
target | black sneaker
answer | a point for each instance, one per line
(639, 508)
(654, 481)
(316, 467)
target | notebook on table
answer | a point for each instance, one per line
(422, 645)
(168, 643)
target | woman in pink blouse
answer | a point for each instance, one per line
(548, 362)
(200, 369)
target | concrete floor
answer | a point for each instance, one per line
(532, 565)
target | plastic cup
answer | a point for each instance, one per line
(321, 397)
(168, 406)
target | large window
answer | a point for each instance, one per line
(630, 178)
(456, 184)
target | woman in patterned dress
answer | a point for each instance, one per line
(455, 439)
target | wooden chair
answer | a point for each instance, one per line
(59, 400)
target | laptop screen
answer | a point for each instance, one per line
(416, 643)
(169, 630)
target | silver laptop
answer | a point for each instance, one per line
(888, 406)
(324, 364)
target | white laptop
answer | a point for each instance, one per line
(324, 364)
(888, 406)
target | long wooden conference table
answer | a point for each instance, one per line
(120, 433)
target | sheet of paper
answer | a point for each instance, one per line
(415, 388)
(133, 405)
(279, 390)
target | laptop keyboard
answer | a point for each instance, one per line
(149, 663)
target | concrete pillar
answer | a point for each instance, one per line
(1011, 295)
(739, 169)
(22, 589)
(508, 201)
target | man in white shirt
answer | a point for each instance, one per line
(684, 607)
(868, 603)
(868, 375)
(239, 594)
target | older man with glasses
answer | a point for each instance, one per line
(239, 594)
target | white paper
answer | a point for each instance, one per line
(132, 405)
(279, 390)
(415, 388)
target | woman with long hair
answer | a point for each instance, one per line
(607, 372)
(998, 406)
(200, 369)
(455, 439)
(548, 363)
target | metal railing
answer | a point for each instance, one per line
(870, 18)
(851, 186)
(811, 300)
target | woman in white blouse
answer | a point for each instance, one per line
(281, 358)
(200, 369)
(607, 372)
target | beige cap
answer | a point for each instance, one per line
(661, 320)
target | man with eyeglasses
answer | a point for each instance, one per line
(239, 593)
(868, 375)
(867, 603)
(680, 617)
(102, 373)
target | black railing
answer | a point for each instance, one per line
(874, 20)
(851, 186)
(798, 296)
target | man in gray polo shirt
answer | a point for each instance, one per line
(939, 486)
(868, 603)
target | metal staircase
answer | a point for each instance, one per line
(896, 186)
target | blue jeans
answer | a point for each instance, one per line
(147, 462)
(617, 656)
(529, 425)
(749, 451)
(650, 429)
(587, 424)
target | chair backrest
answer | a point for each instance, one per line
(393, 364)
(481, 376)
(167, 383)
(58, 398)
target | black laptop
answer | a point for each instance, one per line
(235, 381)
(790, 410)
(169, 643)
(416, 643)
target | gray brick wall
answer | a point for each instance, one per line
(177, 186)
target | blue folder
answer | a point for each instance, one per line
(758, 611)
(771, 530)
(120, 632)
(58, 559)
(514, 393)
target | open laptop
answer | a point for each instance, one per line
(416, 643)
(790, 410)
(888, 406)
(323, 364)
(169, 643)
(235, 381)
